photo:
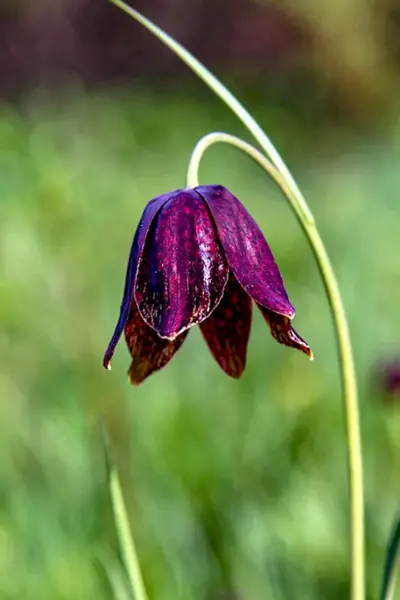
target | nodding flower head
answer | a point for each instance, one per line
(199, 258)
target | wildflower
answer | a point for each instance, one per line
(199, 258)
(390, 379)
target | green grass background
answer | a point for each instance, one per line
(232, 486)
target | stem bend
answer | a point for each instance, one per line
(347, 369)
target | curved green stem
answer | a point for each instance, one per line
(279, 171)
(343, 340)
(226, 96)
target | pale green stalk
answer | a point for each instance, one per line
(285, 180)
(126, 543)
(226, 96)
(392, 564)
(125, 538)
(116, 578)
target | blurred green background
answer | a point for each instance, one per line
(235, 489)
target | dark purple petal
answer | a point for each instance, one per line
(247, 251)
(182, 272)
(227, 329)
(283, 331)
(136, 249)
(149, 352)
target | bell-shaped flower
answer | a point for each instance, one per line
(199, 258)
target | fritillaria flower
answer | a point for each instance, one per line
(199, 258)
(390, 379)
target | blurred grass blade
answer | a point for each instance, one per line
(125, 538)
(116, 578)
(392, 564)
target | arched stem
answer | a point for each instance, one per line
(342, 335)
(279, 171)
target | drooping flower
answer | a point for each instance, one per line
(199, 258)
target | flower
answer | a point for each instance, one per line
(389, 377)
(199, 258)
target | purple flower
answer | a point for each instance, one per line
(199, 258)
(390, 378)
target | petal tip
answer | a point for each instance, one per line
(107, 363)
(304, 347)
(236, 375)
(132, 380)
(109, 353)
(284, 333)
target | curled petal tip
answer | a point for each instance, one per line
(132, 380)
(284, 333)
(236, 375)
(107, 364)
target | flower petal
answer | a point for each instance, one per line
(136, 249)
(284, 333)
(149, 352)
(227, 330)
(247, 251)
(183, 271)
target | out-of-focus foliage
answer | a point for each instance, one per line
(66, 40)
(232, 486)
(349, 50)
(353, 50)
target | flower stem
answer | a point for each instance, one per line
(125, 538)
(275, 166)
(343, 339)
